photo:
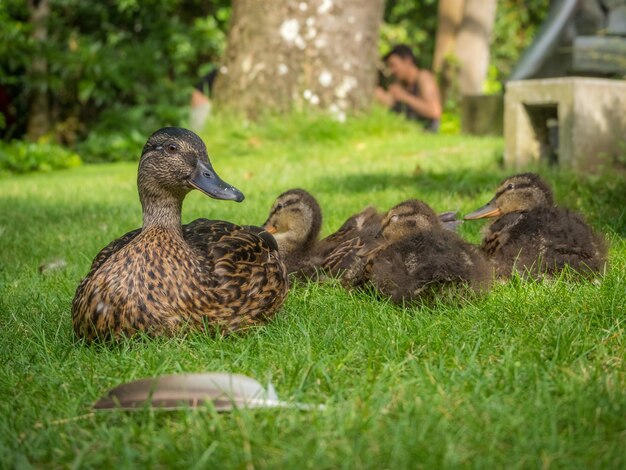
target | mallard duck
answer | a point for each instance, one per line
(164, 276)
(414, 257)
(534, 237)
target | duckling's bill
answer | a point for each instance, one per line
(488, 210)
(205, 179)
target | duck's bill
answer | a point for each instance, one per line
(205, 180)
(488, 210)
(270, 229)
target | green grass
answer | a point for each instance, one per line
(532, 375)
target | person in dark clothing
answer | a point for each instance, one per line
(414, 92)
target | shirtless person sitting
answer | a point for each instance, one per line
(414, 93)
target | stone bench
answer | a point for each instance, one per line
(574, 122)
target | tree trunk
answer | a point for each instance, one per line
(284, 55)
(449, 17)
(39, 105)
(472, 44)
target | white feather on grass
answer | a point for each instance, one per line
(224, 390)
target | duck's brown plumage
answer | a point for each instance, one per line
(533, 236)
(414, 257)
(165, 277)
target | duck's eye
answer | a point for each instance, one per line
(279, 207)
(510, 186)
(171, 148)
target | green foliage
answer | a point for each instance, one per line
(412, 23)
(120, 132)
(112, 55)
(415, 23)
(22, 157)
(492, 85)
(101, 147)
(516, 23)
(450, 122)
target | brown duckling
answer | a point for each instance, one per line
(532, 236)
(415, 257)
(356, 235)
(295, 220)
(359, 235)
(165, 277)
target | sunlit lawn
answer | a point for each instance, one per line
(532, 375)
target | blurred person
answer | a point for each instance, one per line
(201, 101)
(414, 92)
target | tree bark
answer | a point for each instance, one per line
(39, 103)
(449, 17)
(472, 44)
(284, 55)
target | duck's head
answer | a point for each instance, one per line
(295, 220)
(173, 162)
(408, 218)
(519, 193)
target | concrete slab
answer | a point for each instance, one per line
(575, 122)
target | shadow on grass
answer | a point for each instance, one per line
(465, 183)
(601, 199)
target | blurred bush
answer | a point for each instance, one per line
(105, 58)
(22, 157)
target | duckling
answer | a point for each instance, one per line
(415, 257)
(295, 220)
(164, 277)
(534, 237)
(360, 234)
(356, 235)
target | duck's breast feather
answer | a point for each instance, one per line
(113, 247)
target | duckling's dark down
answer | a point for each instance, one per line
(165, 277)
(415, 257)
(359, 235)
(533, 236)
(356, 235)
(295, 220)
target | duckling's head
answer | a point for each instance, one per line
(295, 220)
(519, 193)
(408, 218)
(173, 162)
